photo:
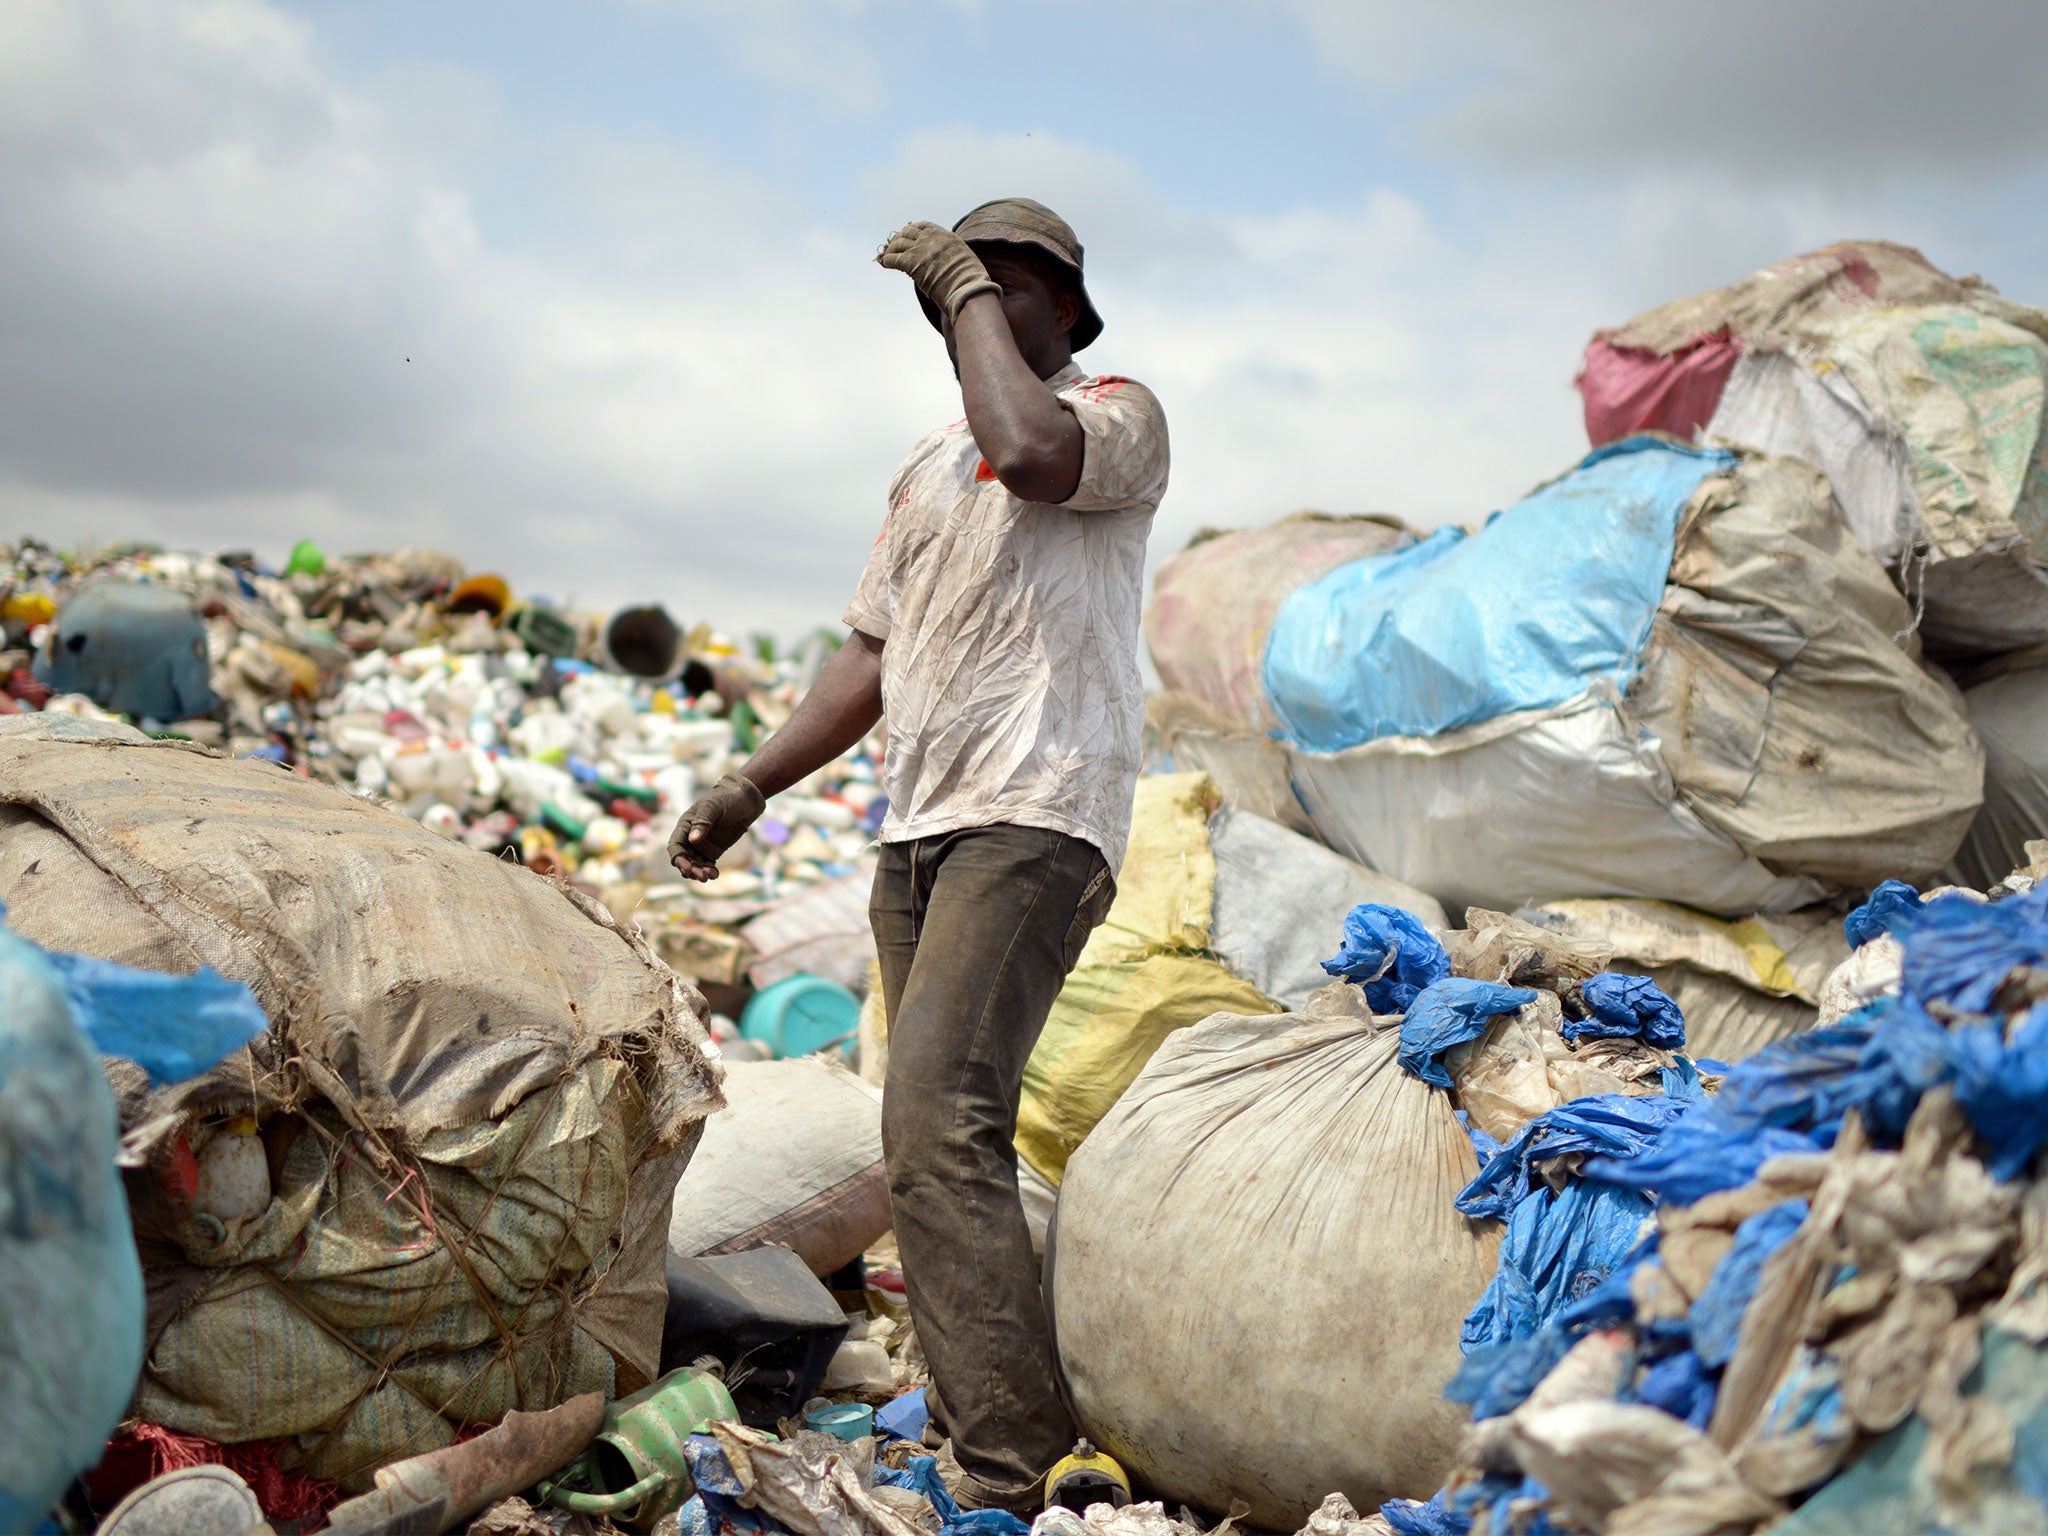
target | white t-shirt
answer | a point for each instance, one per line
(1010, 676)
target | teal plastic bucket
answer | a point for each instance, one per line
(802, 1014)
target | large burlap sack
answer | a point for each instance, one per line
(1258, 1277)
(1929, 422)
(477, 1093)
(1768, 732)
(794, 1159)
(1919, 395)
(2010, 713)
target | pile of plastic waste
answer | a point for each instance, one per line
(1817, 1297)
(569, 741)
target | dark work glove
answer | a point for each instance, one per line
(943, 266)
(719, 819)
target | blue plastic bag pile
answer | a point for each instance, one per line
(1816, 1299)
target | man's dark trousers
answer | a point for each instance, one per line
(976, 932)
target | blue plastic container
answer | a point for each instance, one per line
(846, 1421)
(802, 1014)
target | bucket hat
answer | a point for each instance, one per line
(1020, 221)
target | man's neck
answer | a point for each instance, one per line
(1045, 368)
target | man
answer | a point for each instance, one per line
(996, 626)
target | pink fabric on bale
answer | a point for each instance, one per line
(1626, 390)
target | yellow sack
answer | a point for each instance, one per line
(1104, 1027)
(1146, 972)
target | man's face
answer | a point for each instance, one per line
(1040, 310)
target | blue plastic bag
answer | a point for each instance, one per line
(173, 1027)
(1391, 954)
(1716, 1315)
(921, 1475)
(1682, 1386)
(1697, 1157)
(903, 1417)
(1892, 900)
(1626, 1007)
(1959, 951)
(1448, 1013)
(1609, 1124)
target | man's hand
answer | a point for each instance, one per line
(943, 266)
(707, 829)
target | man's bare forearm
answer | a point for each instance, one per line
(1031, 441)
(841, 707)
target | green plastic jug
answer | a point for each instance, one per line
(634, 1471)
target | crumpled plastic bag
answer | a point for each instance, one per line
(1521, 1066)
(1623, 1007)
(1391, 954)
(1449, 1013)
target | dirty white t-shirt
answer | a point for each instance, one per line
(1010, 679)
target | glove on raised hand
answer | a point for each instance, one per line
(719, 818)
(943, 266)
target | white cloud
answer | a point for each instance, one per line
(242, 301)
(1777, 91)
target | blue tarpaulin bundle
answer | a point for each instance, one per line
(1554, 594)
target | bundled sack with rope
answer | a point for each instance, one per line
(1669, 674)
(1919, 395)
(455, 1145)
(1265, 1217)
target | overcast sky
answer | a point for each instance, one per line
(583, 292)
